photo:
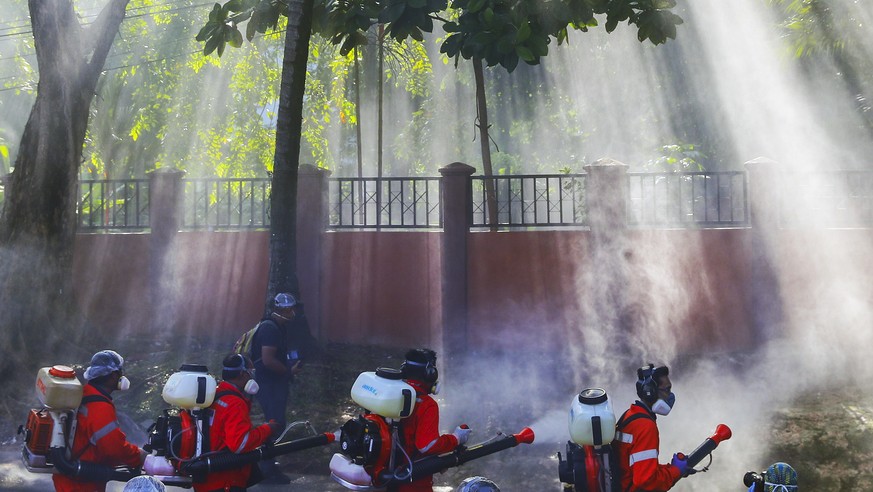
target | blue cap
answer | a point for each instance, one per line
(103, 363)
(284, 300)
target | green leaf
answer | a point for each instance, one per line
(235, 37)
(252, 26)
(476, 5)
(211, 44)
(523, 33)
(391, 13)
(525, 54)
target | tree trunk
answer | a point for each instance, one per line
(38, 225)
(485, 142)
(379, 124)
(289, 123)
(359, 144)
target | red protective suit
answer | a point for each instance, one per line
(232, 430)
(420, 434)
(638, 454)
(98, 440)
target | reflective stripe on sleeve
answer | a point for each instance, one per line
(430, 445)
(100, 434)
(243, 444)
(624, 437)
(649, 454)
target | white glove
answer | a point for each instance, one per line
(158, 465)
(462, 432)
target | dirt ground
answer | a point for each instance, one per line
(830, 445)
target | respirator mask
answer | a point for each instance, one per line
(123, 383)
(251, 387)
(663, 407)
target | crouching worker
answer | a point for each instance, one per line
(99, 438)
(778, 477)
(419, 432)
(231, 428)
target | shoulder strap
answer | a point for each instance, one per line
(222, 393)
(86, 400)
(92, 398)
(625, 420)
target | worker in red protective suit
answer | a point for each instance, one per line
(638, 438)
(231, 428)
(99, 438)
(419, 433)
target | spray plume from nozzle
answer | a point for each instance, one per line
(433, 464)
(722, 433)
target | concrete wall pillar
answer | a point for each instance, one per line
(165, 219)
(764, 290)
(312, 220)
(457, 203)
(165, 202)
(765, 197)
(607, 195)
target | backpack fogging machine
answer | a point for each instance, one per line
(178, 441)
(592, 453)
(49, 430)
(372, 457)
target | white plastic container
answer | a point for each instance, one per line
(592, 421)
(58, 388)
(190, 388)
(384, 393)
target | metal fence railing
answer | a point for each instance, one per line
(113, 204)
(226, 203)
(687, 199)
(654, 200)
(396, 203)
(827, 199)
(545, 200)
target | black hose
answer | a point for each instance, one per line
(88, 471)
(433, 464)
(229, 461)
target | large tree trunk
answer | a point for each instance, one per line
(289, 122)
(38, 225)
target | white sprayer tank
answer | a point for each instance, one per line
(58, 388)
(190, 388)
(384, 393)
(592, 421)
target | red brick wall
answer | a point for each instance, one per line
(696, 287)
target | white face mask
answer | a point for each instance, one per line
(123, 383)
(251, 387)
(662, 407)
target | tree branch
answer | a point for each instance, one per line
(104, 28)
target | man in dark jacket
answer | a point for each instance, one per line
(280, 345)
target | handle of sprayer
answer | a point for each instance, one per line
(722, 433)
